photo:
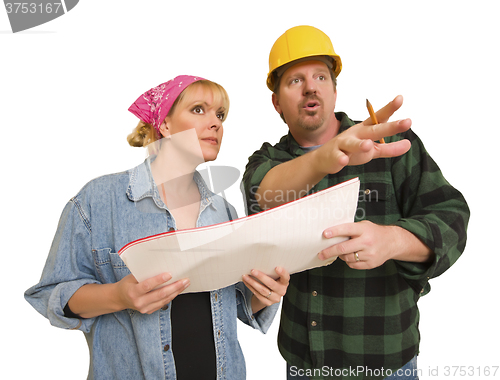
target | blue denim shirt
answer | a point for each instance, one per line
(106, 214)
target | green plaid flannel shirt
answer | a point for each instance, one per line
(336, 318)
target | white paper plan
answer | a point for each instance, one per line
(216, 256)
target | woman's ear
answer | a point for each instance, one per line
(165, 128)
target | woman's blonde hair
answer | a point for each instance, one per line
(145, 134)
(142, 135)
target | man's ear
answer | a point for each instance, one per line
(277, 107)
(276, 103)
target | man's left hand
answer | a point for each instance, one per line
(371, 245)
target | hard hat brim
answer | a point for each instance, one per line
(272, 74)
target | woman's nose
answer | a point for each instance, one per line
(216, 123)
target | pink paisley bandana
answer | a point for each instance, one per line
(152, 107)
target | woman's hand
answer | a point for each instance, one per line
(92, 300)
(143, 297)
(266, 291)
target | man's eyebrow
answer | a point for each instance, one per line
(321, 71)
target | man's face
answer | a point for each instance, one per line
(306, 97)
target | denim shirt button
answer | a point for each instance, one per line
(171, 229)
(166, 347)
(165, 307)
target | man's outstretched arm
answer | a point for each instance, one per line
(355, 146)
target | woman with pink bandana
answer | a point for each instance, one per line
(140, 330)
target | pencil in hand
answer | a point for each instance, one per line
(373, 117)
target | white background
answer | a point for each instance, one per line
(65, 88)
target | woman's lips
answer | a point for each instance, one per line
(211, 140)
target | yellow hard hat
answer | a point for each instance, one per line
(300, 42)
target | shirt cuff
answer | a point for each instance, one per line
(261, 320)
(59, 298)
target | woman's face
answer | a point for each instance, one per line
(198, 111)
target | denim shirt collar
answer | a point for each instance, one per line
(142, 185)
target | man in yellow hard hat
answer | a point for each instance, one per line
(358, 316)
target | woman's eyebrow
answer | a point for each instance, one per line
(198, 103)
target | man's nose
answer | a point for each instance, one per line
(310, 86)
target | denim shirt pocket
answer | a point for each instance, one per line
(109, 266)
